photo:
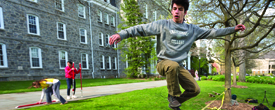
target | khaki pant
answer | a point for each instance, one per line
(175, 75)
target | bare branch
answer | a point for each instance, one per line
(228, 12)
(261, 49)
(257, 23)
(257, 43)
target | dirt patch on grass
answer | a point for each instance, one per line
(236, 86)
(241, 106)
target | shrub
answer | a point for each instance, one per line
(203, 78)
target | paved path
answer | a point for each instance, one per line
(10, 101)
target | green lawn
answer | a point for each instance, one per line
(156, 98)
(22, 86)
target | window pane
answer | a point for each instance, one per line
(35, 62)
(84, 64)
(61, 35)
(107, 39)
(81, 11)
(63, 63)
(59, 4)
(32, 24)
(34, 52)
(100, 39)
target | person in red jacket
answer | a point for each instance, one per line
(69, 71)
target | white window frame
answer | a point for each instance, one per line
(36, 23)
(4, 52)
(100, 35)
(107, 37)
(33, 1)
(39, 57)
(102, 62)
(115, 61)
(84, 14)
(64, 30)
(62, 5)
(113, 22)
(2, 25)
(107, 18)
(85, 35)
(146, 12)
(99, 14)
(87, 61)
(66, 58)
(110, 63)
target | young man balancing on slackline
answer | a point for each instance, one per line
(174, 40)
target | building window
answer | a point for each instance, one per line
(35, 57)
(145, 14)
(61, 31)
(1, 19)
(100, 37)
(83, 36)
(113, 22)
(102, 61)
(33, 24)
(33, 0)
(81, 11)
(84, 61)
(114, 63)
(63, 59)
(106, 18)
(3, 56)
(108, 63)
(99, 16)
(107, 39)
(59, 4)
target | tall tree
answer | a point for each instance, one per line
(218, 14)
(138, 51)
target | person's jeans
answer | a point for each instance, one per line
(175, 75)
(49, 92)
(55, 88)
(69, 83)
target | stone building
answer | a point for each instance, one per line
(38, 37)
(264, 64)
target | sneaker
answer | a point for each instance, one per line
(74, 96)
(68, 97)
(173, 102)
(56, 100)
(174, 108)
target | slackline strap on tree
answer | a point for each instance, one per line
(214, 108)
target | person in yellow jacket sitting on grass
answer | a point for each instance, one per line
(49, 86)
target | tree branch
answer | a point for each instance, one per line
(256, 44)
(257, 23)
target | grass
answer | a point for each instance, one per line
(156, 98)
(22, 86)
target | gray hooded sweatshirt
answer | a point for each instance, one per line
(174, 40)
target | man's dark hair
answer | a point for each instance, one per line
(70, 62)
(184, 3)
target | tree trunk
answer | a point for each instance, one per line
(242, 72)
(227, 72)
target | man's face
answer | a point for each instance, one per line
(178, 13)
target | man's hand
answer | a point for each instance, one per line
(72, 69)
(40, 101)
(80, 68)
(240, 27)
(114, 39)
